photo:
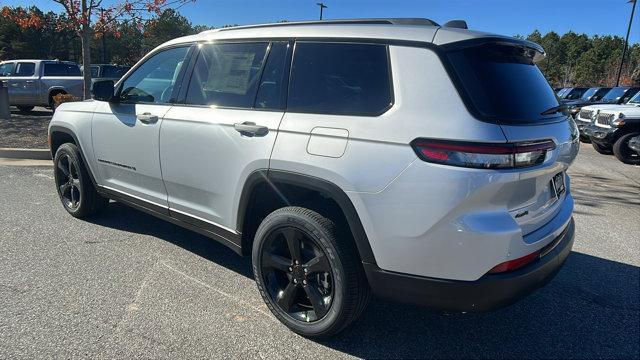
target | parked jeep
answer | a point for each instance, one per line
(348, 157)
(35, 82)
(614, 127)
(613, 98)
(594, 94)
(573, 93)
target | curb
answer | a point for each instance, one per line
(32, 154)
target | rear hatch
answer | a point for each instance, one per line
(502, 85)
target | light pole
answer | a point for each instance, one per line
(626, 41)
(322, 6)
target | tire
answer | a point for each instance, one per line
(605, 150)
(77, 193)
(622, 151)
(342, 279)
(585, 139)
(25, 108)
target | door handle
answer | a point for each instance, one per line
(147, 118)
(250, 129)
(14, 84)
(30, 81)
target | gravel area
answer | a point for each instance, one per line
(25, 130)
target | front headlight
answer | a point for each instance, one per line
(619, 121)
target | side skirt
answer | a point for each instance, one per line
(221, 235)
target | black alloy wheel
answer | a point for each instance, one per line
(308, 271)
(73, 183)
(297, 274)
(68, 182)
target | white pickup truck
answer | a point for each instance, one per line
(35, 82)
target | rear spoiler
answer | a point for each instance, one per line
(537, 51)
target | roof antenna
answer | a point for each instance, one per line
(458, 24)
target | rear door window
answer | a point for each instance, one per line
(52, 69)
(25, 69)
(503, 83)
(227, 75)
(340, 78)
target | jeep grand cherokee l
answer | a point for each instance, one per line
(344, 157)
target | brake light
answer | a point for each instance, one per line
(515, 264)
(483, 155)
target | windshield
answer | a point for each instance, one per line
(635, 99)
(614, 94)
(575, 93)
(587, 94)
(503, 82)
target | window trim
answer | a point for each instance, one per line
(365, 114)
(17, 64)
(179, 80)
(439, 50)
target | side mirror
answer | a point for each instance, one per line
(102, 90)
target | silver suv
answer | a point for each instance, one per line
(417, 162)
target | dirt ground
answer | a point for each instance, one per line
(25, 130)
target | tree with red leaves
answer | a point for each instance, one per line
(79, 15)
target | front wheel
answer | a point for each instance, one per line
(309, 275)
(75, 189)
(605, 150)
(623, 152)
(585, 139)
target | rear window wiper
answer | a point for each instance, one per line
(561, 107)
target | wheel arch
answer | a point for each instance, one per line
(59, 135)
(286, 187)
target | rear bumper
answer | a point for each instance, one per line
(487, 293)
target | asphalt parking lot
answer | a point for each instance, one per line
(128, 285)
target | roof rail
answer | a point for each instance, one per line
(388, 21)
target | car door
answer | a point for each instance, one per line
(225, 129)
(125, 132)
(22, 84)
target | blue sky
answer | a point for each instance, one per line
(508, 17)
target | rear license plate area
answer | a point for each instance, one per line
(557, 184)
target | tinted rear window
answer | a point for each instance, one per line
(339, 78)
(61, 70)
(503, 83)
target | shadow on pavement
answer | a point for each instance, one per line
(591, 309)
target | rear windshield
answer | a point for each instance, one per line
(503, 83)
(61, 70)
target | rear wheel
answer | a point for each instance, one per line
(310, 277)
(25, 108)
(75, 189)
(623, 152)
(605, 150)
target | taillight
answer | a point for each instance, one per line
(515, 263)
(483, 155)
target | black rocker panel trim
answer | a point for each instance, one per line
(223, 236)
(332, 191)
